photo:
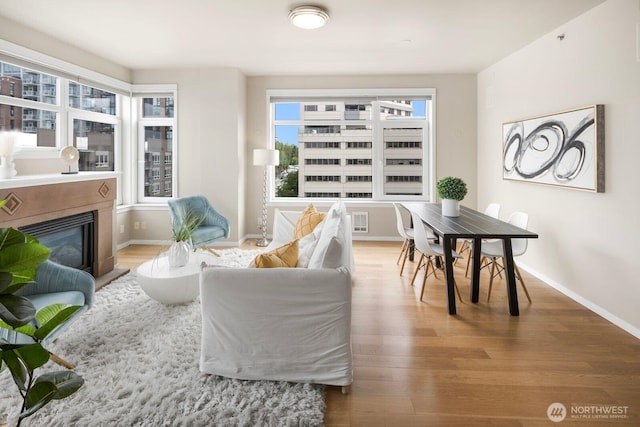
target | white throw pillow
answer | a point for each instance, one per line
(328, 250)
(306, 246)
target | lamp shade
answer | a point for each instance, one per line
(266, 157)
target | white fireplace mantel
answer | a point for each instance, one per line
(45, 179)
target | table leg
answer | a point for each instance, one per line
(475, 270)
(511, 278)
(448, 263)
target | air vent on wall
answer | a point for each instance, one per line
(360, 222)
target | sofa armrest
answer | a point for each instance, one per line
(52, 277)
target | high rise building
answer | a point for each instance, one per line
(336, 158)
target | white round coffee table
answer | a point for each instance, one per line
(172, 285)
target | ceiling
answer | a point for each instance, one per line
(362, 36)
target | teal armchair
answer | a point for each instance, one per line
(214, 226)
(56, 284)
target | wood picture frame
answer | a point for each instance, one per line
(564, 149)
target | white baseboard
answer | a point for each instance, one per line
(583, 301)
(168, 242)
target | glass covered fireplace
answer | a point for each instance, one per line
(71, 239)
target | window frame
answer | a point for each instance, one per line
(125, 120)
(137, 98)
(376, 96)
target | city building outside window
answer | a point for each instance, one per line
(156, 125)
(387, 154)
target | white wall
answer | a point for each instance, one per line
(35, 40)
(588, 241)
(211, 139)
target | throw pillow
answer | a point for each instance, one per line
(328, 250)
(308, 220)
(284, 256)
(306, 246)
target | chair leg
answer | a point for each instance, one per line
(526, 292)
(212, 251)
(424, 279)
(466, 272)
(455, 285)
(493, 267)
(428, 263)
(406, 255)
(415, 273)
(402, 250)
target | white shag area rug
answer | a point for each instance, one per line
(139, 360)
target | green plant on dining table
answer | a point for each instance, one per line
(452, 188)
(20, 255)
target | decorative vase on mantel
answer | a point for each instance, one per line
(7, 168)
(450, 207)
(178, 255)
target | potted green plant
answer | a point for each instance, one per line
(178, 254)
(20, 255)
(451, 190)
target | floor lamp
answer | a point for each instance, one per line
(265, 157)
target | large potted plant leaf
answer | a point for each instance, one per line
(451, 190)
(20, 255)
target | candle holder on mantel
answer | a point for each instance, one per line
(70, 157)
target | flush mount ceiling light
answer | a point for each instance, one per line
(309, 17)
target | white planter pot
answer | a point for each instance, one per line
(450, 207)
(178, 255)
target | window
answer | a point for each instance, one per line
(359, 144)
(29, 104)
(88, 98)
(322, 178)
(96, 143)
(359, 178)
(54, 104)
(157, 146)
(383, 156)
(321, 144)
(321, 161)
(360, 162)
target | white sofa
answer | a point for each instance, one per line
(290, 324)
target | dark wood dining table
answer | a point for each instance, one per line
(474, 225)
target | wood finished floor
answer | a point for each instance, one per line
(415, 365)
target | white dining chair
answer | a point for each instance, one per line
(428, 250)
(493, 250)
(492, 210)
(407, 235)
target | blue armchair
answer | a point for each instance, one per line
(56, 284)
(214, 226)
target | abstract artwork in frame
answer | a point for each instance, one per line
(564, 149)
